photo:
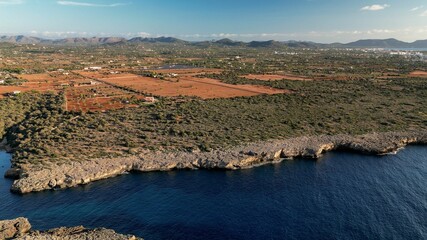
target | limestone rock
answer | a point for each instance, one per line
(33, 178)
(14, 228)
(20, 229)
(77, 233)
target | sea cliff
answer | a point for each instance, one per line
(31, 178)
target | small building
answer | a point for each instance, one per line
(92, 68)
(16, 92)
(150, 99)
(2, 81)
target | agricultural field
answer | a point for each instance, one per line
(273, 77)
(182, 83)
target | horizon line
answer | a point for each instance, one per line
(195, 41)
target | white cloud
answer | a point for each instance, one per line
(416, 8)
(143, 34)
(375, 7)
(86, 4)
(11, 2)
(424, 14)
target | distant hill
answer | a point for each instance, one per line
(301, 44)
(35, 40)
(271, 43)
(21, 39)
(93, 40)
(156, 40)
(378, 43)
(365, 43)
(419, 44)
(229, 42)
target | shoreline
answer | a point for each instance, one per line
(53, 176)
(20, 228)
(4, 146)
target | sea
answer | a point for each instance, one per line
(340, 196)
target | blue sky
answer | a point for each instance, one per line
(314, 20)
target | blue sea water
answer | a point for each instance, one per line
(341, 196)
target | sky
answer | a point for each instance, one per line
(323, 21)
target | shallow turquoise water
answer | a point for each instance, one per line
(341, 196)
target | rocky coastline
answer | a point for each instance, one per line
(20, 228)
(34, 178)
(4, 146)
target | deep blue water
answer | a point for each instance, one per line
(341, 196)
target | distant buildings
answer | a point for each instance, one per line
(2, 81)
(92, 68)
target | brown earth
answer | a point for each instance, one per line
(185, 84)
(80, 94)
(40, 82)
(100, 97)
(205, 88)
(273, 77)
(418, 74)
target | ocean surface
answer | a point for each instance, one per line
(341, 196)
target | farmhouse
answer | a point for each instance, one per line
(150, 99)
(92, 68)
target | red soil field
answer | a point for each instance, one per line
(418, 74)
(272, 77)
(96, 98)
(204, 88)
(189, 71)
(36, 82)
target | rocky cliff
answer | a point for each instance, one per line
(36, 178)
(20, 228)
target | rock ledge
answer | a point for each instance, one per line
(33, 178)
(20, 228)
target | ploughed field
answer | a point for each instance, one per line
(82, 94)
(38, 82)
(418, 74)
(185, 83)
(97, 97)
(275, 77)
(102, 90)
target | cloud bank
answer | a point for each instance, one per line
(10, 2)
(375, 7)
(86, 4)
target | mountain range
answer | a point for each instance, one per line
(367, 43)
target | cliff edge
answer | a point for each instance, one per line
(54, 176)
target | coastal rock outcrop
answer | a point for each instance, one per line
(20, 229)
(35, 178)
(14, 228)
